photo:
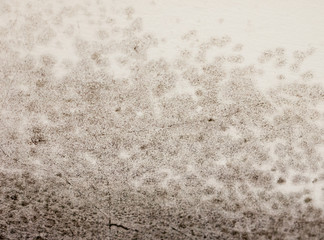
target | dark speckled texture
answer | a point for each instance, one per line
(105, 137)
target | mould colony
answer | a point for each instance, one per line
(92, 155)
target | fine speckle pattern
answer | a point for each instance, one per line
(114, 129)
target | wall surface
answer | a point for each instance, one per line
(187, 119)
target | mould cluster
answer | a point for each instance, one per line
(184, 149)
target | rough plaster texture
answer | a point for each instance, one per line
(161, 119)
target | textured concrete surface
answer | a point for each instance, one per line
(161, 119)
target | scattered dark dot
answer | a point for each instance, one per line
(199, 93)
(307, 200)
(59, 174)
(39, 238)
(14, 197)
(200, 138)
(281, 180)
(143, 147)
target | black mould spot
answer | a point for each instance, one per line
(14, 197)
(59, 174)
(307, 200)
